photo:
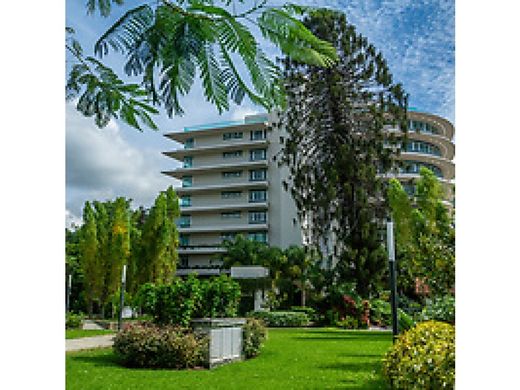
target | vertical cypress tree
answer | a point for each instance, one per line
(337, 147)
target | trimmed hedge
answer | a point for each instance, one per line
(151, 346)
(73, 321)
(439, 309)
(254, 334)
(282, 319)
(422, 358)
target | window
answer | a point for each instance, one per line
(187, 181)
(422, 127)
(189, 143)
(185, 221)
(415, 166)
(186, 201)
(257, 174)
(183, 260)
(257, 196)
(231, 215)
(184, 240)
(258, 236)
(257, 217)
(232, 135)
(187, 162)
(231, 194)
(234, 154)
(230, 174)
(257, 154)
(228, 236)
(257, 135)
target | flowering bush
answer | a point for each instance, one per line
(422, 358)
(439, 309)
(150, 346)
(254, 334)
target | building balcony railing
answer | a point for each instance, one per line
(199, 249)
(224, 207)
(202, 271)
(224, 228)
(179, 154)
(223, 186)
(218, 125)
(178, 173)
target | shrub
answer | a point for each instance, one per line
(422, 358)
(282, 318)
(254, 334)
(220, 297)
(73, 320)
(439, 309)
(404, 321)
(150, 346)
(146, 297)
(348, 323)
(310, 311)
(380, 312)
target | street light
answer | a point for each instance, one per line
(391, 262)
(122, 299)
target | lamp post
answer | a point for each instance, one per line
(69, 288)
(391, 262)
(122, 299)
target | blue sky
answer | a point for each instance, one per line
(416, 37)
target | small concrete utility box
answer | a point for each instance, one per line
(225, 338)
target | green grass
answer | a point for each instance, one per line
(77, 333)
(316, 358)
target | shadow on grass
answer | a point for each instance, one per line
(383, 337)
(104, 360)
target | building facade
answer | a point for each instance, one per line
(230, 183)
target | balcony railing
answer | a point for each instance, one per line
(219, 125)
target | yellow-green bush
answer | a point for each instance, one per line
(423, 358)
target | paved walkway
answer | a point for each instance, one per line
(91, 325)
(89, 342)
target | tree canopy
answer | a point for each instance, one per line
(168, 44)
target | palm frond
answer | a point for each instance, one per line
(104, 6)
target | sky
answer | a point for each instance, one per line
(417, 38)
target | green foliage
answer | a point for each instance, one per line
(439, 309)
(348, 323)
(182, 300)
(254, 335)
(282, 319)
(425, 235)
(146, 298)
(380, 312)
(73, 321)
(168, 43)
(404, 321)
(336, 147)
(423, 358)
(149, 346)
(220, 297)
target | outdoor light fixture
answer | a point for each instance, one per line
(390, 244)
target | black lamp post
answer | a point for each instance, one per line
(393, 284)
(122, 299)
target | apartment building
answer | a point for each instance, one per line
(230, 185)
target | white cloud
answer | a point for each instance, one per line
(102, 164)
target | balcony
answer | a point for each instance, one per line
(223, 228)
(179, 154)
(221, 186)
(199, 249)
(178, 173)
(201, 271)
(225, 206)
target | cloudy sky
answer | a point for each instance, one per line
(415, 36)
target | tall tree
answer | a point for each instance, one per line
(160, 240)
(425, 234)
(168, 43)
(88, 253)
(337, 147)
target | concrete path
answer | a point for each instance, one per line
(91, 325)
(89, 342)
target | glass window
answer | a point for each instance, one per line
(189, 143)
(230, 174)
(232, 135)
(187, 162)
(186, 201)
(184, 240)
(234, 154)
(413, 167)
(231, 214)
(257, 217)
(257, 135)
(258, 236)
(187, 181)
(257, 154)
(183, 259)
(231, 194)
(185, 221)
(257, 175)
(257, 196)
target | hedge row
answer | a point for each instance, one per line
(282, 318)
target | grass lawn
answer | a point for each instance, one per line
(77, 333)
(313, 358)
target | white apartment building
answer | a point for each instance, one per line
(230, 185)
